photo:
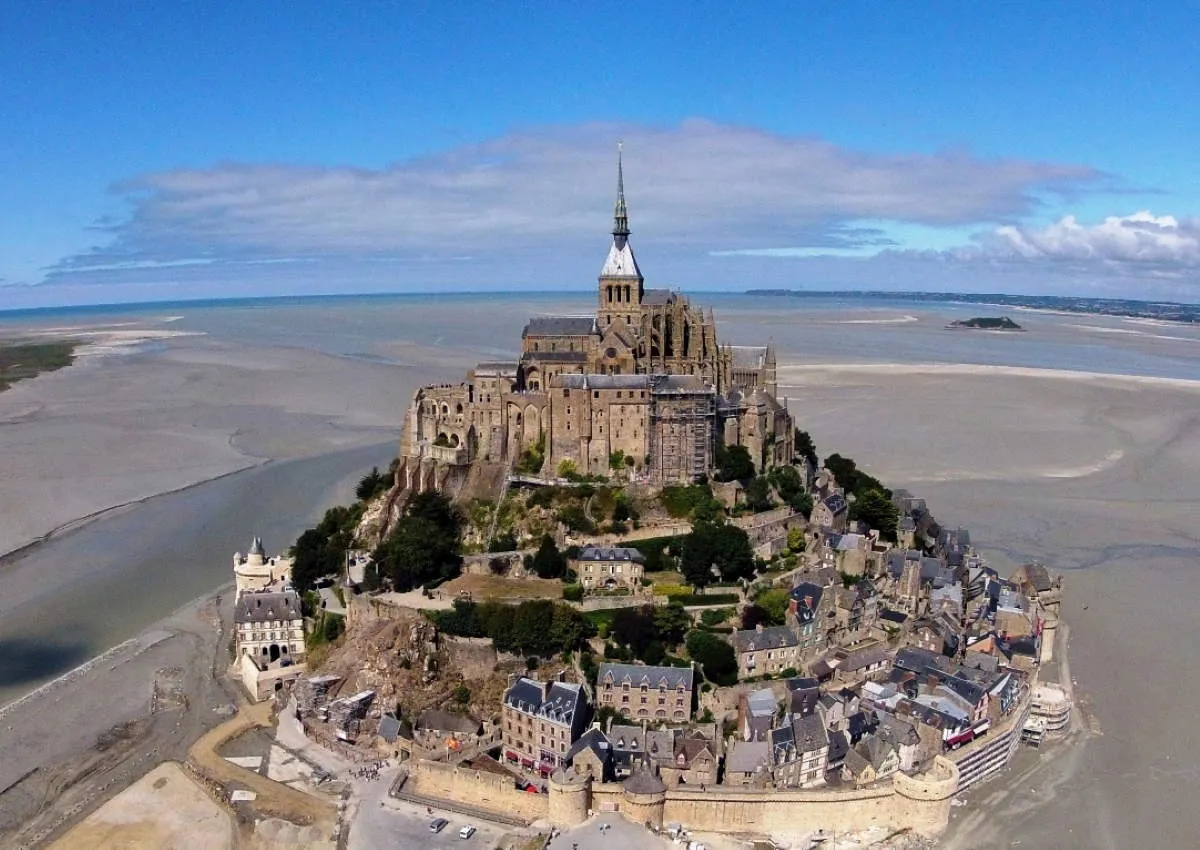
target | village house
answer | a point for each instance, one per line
(644, 692)
(748, 763)
(766, 651)
(268, 640)
(592, 755)
(756, 714)
(799, 752)
(808, 607)
(872, 759)
(540, 721)
(683, 757)
(830, 512)
(609, 567)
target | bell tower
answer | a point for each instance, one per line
(621, 280)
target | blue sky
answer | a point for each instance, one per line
(171, 150)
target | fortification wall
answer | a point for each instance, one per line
(486, 790)
(920, 803)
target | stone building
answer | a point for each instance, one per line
(268, 640)
(646, 693)
(540, 722)
(766, 651)
(609, 567)
(644, 378)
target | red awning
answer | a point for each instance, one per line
(545, 768)
(527, 762)
(511, 756)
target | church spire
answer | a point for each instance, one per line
(620, 213)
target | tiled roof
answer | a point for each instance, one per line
(602, 382)
(657, 297)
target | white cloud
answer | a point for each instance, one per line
(698, 187)
(1138, 240)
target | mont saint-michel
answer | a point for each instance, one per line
(644, 380)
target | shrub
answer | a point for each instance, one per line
(572, 592)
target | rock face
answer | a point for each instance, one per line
(398, 653)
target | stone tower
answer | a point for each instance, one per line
(621, 281)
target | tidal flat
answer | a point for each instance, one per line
(1076, 443)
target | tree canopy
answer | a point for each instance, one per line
(877, 511)
(424, 545)
(548, 562)
(716, 545)
(715, 657)
(734, 463)
(321, 550)
(536, 626)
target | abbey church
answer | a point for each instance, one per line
(644, 380)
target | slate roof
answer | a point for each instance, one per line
(809, 733)
(263, 607)
(761, 702)
(502, 370)
(836, 503)
(748, 356)
(389, 728)
(770, 637)
(433, 719)
(747, 756)
(620, 262)
(602, 382)
(611, 553)
(560, 326)
(838, 747)
(657, 297)
(806, 611)
(637, 674)
(891, 616)
(1036, 574)
(803, 694)
(558, 705)
(594, 740)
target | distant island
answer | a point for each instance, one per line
(1126, 308)
(994, 323)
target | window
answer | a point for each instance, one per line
(595, 393)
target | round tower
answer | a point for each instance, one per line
(644, 799)
(570, 799)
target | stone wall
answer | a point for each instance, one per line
(477, 788)
(920, 803)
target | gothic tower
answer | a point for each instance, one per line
(621, 280)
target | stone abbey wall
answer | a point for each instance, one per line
(920, 803)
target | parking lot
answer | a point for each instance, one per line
(397, 824)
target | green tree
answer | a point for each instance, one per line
(775, 603)
(734, 463)
(671, 622)
(549, 562)
(424, 545)
(505, 541)
(878, 511)
(754, 616)
(795, 540)
(716, 545)
(715, 657)
(634, 627)
(805, 447)
(461, 694)
(758, 495)
(616, 460)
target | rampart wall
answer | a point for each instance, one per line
(919, 803)
(477, 788)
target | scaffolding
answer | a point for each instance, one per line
(681, 430)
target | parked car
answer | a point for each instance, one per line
(438, 824)
(466, 832)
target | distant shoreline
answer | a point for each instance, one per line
(1123, 308)
(1164, 310)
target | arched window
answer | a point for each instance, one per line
(627, 298)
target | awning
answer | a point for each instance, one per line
(527, 762)
(511, 756)
(545, 769)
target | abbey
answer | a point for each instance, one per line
(643, 382)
